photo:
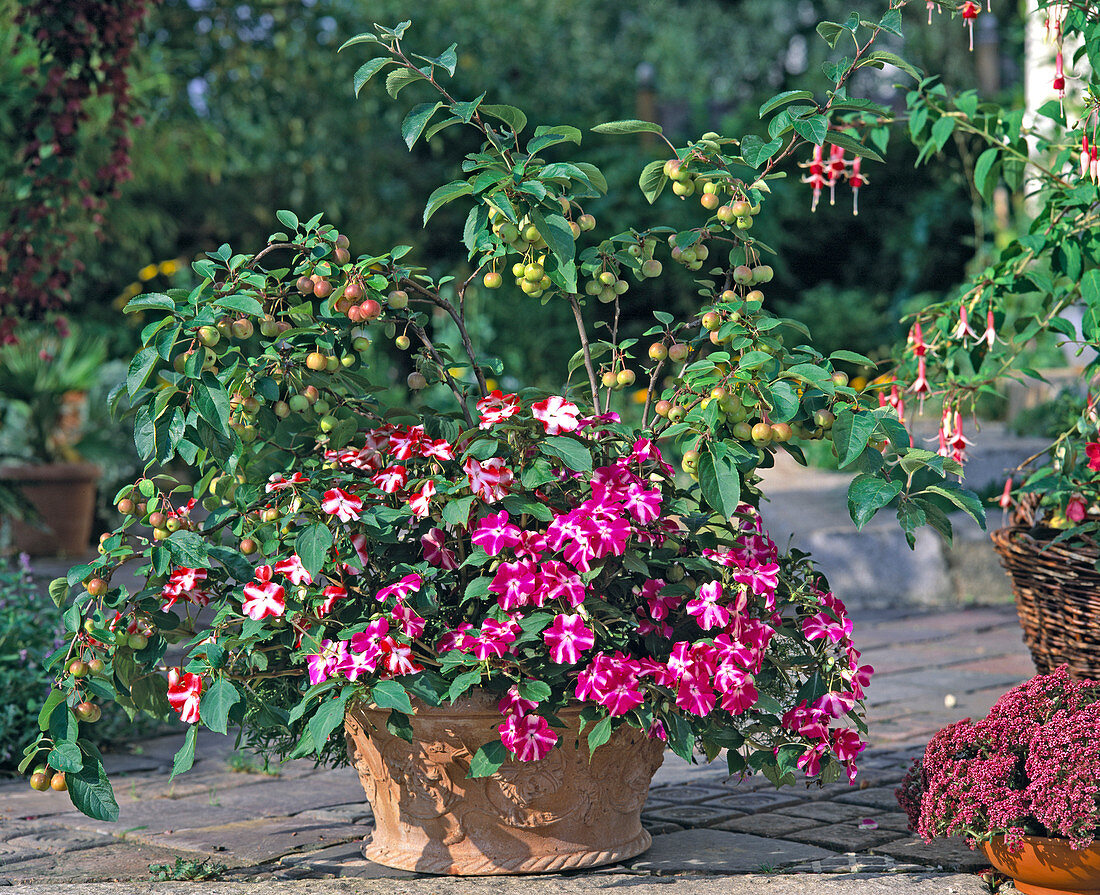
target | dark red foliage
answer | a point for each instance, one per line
(84, 49)
(1031, 767)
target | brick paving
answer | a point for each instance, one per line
(307, 822)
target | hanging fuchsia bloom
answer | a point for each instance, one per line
(556, 414)
(990, 334)
(916, 339)
(956, 440)
(1059, 76)
(834, 170)
(421, 499)
(490, 480)
(1005, 500)
(920, 385)
(963, 330)
(567, 638)
(855, 181)
(816, 178)
(1076, 508)
(527, 737)
(932, 5)
(344, 506)
(969, 12)
(294, 570)
(185, 694)
(496, 408)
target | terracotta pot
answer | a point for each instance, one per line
(64, 495)
(561, 813)
(1048, 866)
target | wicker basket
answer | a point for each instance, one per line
(1057, 590)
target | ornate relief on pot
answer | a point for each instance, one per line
(532, 796)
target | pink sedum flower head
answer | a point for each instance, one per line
(556, 414)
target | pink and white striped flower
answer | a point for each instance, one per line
(490, 480)
(410, 584)
(294, 570)
(185, 694)
(496, 408)
(556, 414)
(495, 534)
(420, 501)
(263, 599)
(528, 737)
(344, 506)
(567, 638)
(391, 479)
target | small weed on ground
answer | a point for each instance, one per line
(190, 870)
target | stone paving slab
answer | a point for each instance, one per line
(718, 851)
(881, 883)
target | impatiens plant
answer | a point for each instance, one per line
(1031, 768)
(1041, 286)
(357, 544)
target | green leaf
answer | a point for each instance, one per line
(463, 682)
(367, 71)
(287, 219)
(65, 757)
(417, 119)
(574, 454)
(444, 194)
(536, 691)
(325, 720)
(391, 695)
(212, 403)
(56, 698)
(812, 129)
(967, 501)
(400, 78)
(851, 432)
(781, 99)
(891, 21)
(852, 357)
(90, 790)
(312, 547)
(510, 115)
(652, 180)
(867, 494)
(488, 759)
(216, 704)
(243, 304)
(942, 130)
(720, 483)
(188, 548)
(846, 141)
(599, 734)
(628, 126)
(140, 368)
(465, 111)
(755, 151)
(594, 175)
(555, 230)
(830, 32)
(983, 168)
(365, 37)
(566, 132)
(153, 301)
(59, 591)
(895, 60)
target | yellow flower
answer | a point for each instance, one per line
(492, 384)
(167, 268)
(147, 272)
(859, 383)
(639, 396)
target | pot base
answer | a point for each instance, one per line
(1048, 866)
(438, 861)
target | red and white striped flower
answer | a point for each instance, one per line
(294, 570)
(440, 449)
(421, 499)
(496, 408)
(263, 599)
(556, 414)
(490, 480)
(344, 506)
(391, 479)
(185, 694)
(281, 483)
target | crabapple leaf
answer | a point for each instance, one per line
(185, 757)
(755, 151)
(867, 494)
(720, 483)
(628, 126)
(851, 432)
(90, 790)
(216, 703)
(780, 99)
(444, 194)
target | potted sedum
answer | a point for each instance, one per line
(508, 601)
(1023, 783)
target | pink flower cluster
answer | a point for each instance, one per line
(1031, 767)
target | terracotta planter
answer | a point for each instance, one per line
(64, 495)
(561, 813)
(1048, 866)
